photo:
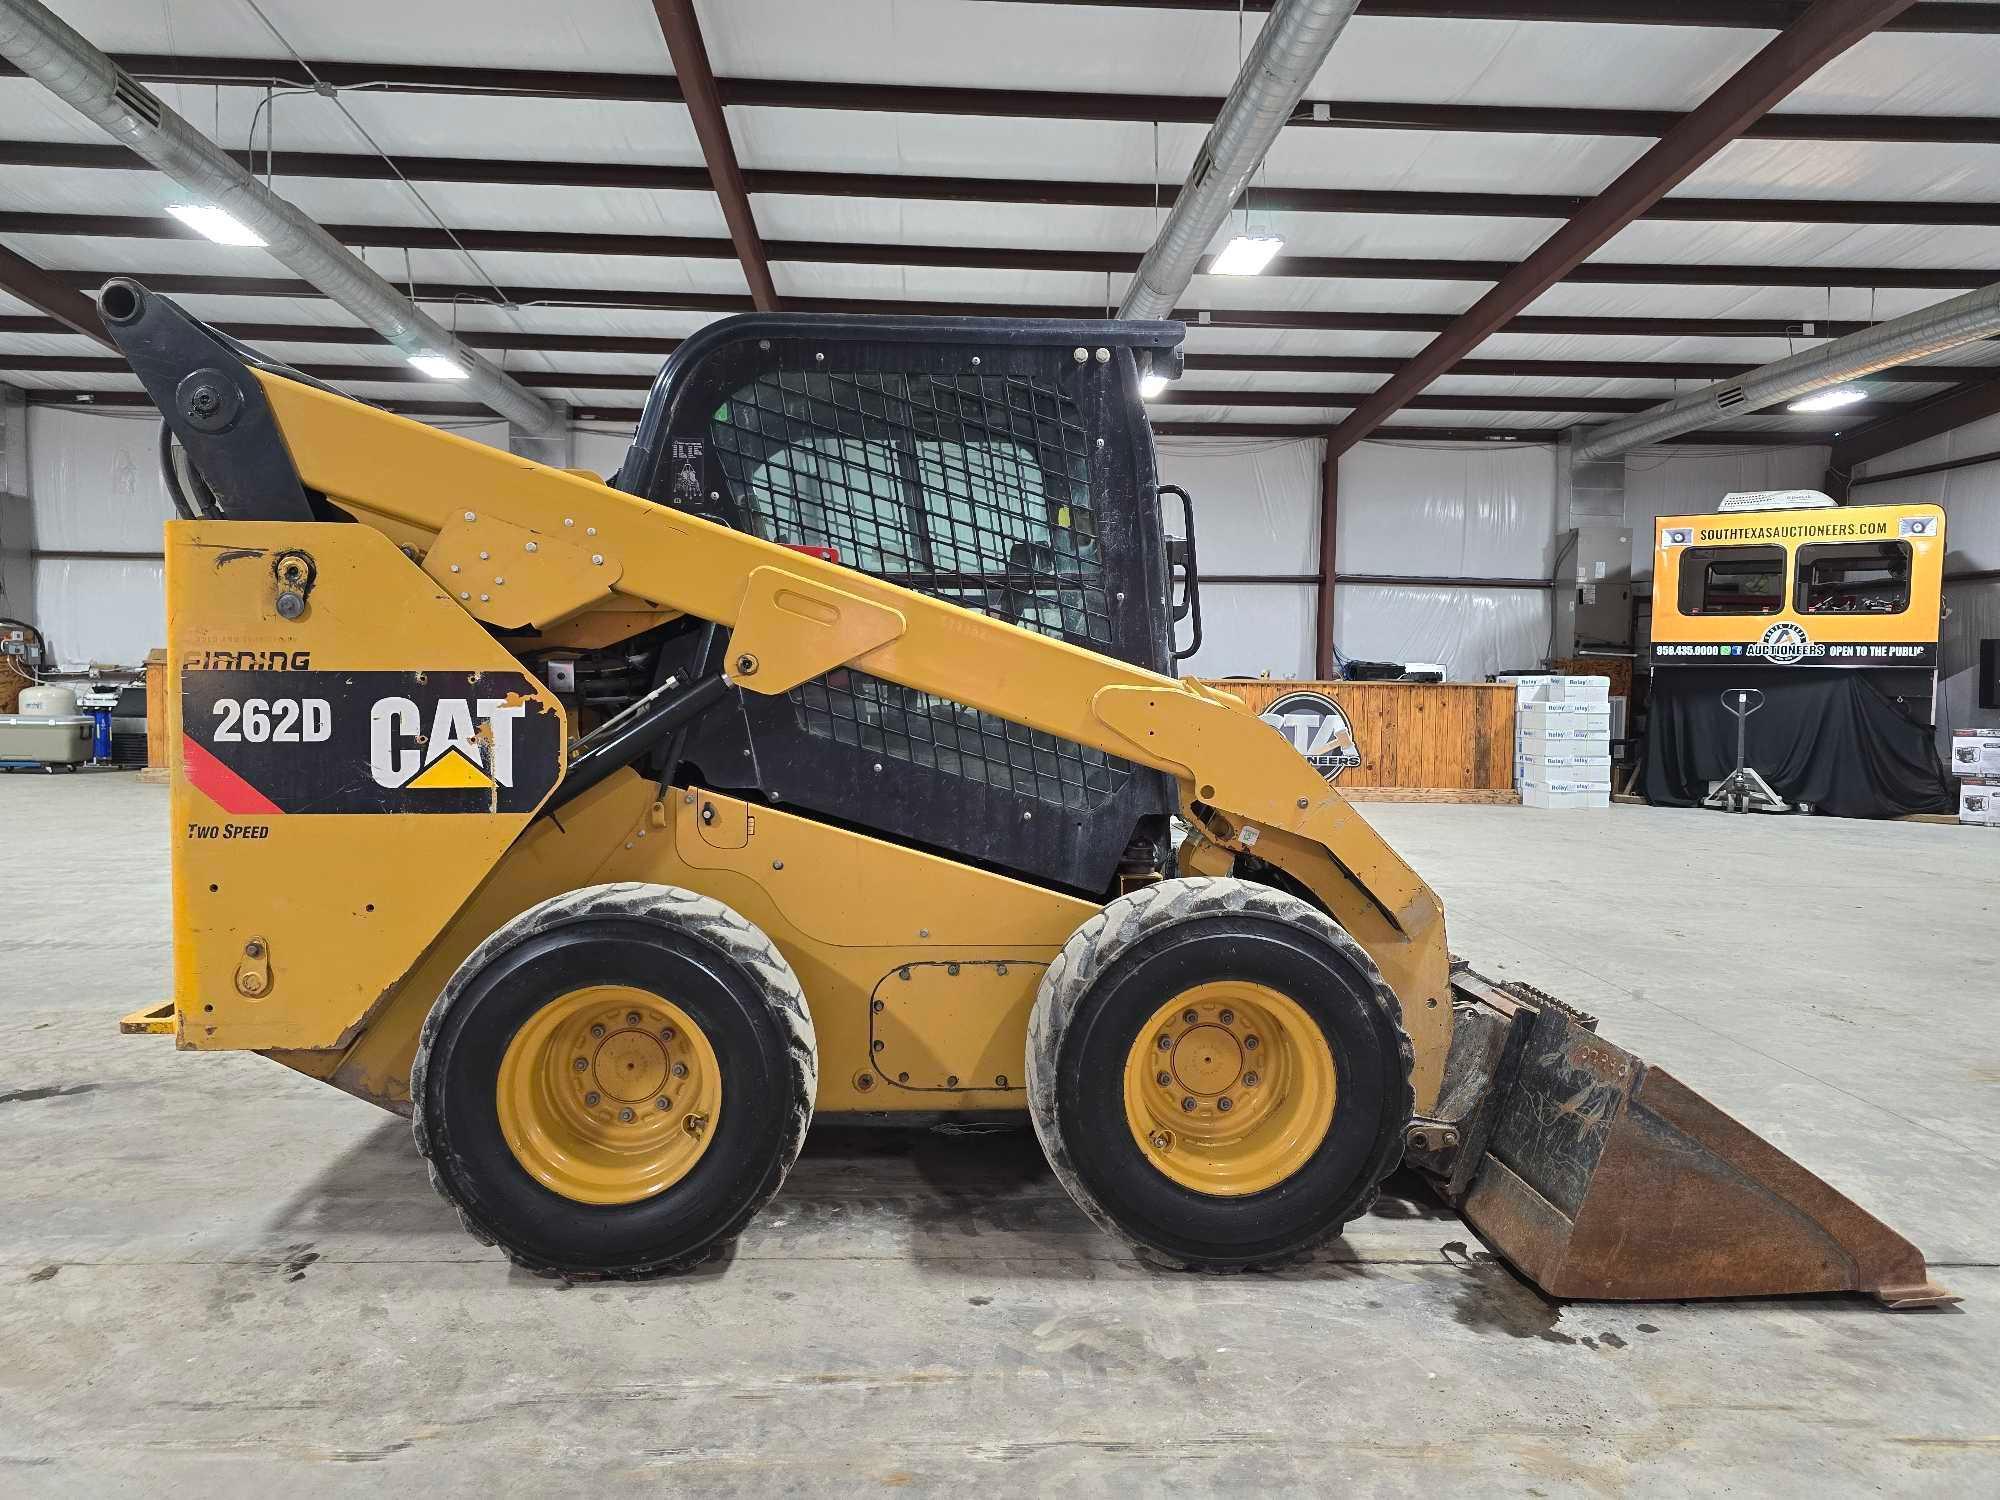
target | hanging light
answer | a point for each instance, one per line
(1246, 255)
(439, 366)
(223, 228)
(1832, 397)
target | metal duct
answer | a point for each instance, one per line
(1288, 52)
(1962, 320)
(50, 52)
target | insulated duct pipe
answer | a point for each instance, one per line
(47, 50)
(1917, 335)
(1288, 52)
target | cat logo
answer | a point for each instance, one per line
(469, 744)
(1317, 729)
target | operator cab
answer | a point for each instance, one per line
(1003, 465)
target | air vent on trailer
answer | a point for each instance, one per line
(1728, 397)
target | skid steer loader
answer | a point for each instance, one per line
(829, 760)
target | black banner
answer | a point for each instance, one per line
(292, 740)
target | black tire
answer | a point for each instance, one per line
(723, 972)
(1139, 952)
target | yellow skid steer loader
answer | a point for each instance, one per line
(830, 760)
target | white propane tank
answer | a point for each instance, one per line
(48, 702)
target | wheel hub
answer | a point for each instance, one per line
(1230, 1087)
(609, 1094)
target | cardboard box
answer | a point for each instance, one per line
(1553, 689)
(1542, 716)
(1975, 752)
(1564, 793)
(1563, 740)
(1587, 770)
(1979, 803)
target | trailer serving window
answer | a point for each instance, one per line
(1854, 578)
(1732, 580)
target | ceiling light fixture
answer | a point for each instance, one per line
(223, 228)
(439, 366)
(1829, 399)
(1246, 255)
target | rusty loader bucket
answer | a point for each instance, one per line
(1600, 1176)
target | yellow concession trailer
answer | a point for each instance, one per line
(1818, 622)
(1841, 586)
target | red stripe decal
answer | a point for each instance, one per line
(221, 785)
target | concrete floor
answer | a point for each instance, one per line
(220, 1279)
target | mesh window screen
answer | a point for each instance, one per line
(971, 488)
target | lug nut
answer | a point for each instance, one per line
(631, 1018)
(1249, 1044)
(680, 1070)
(583, 1065)
(1187, 1104)
(666, 1033)
(1163, 1079)
(1249, 1080)
(597, 1031)
(626, 1116)
(1189, 1016)
(591, 1099)
(663, 1103)
(1166, 1042)
(1228, 1017)
(1225, 1104)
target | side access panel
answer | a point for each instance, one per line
(352, 755)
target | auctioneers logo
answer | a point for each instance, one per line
(1318, 730)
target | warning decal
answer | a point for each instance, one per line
(257, 743)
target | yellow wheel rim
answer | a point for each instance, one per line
(1229, 1088)
(609, 1094)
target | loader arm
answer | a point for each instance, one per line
(793, 616)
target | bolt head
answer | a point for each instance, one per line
(1166, 1042)
(1080, 355)
(1228, 1016)
(666, 1033)
(1249, 1080)
(470, 516)
(1187, 1104)
(533, 547)
(592, 1098)
(1190, 1017)
(1250, 1044)
(663, 1102)
(1163, 1078)
(597, 1031)
(583, 1065)
(631, 1018)
(1225, 1104)
(680, 1070)
(597, 558)
(626, 1116)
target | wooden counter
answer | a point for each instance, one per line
(1414, 736)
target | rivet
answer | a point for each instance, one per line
(484, 556)
(777, 864)
(1000, 969)
(878, 1007)
(1304, 803)
(454, 567)
(902, 1078)
(878, 768)
(590, 531)
(569, 520)
(1187, 1105)
(923, 932)
(877, 1046)
(485, 598)
(904, 972)
(975, 361)
(470, 516)
(999, 1080)
(463, 595)
(1027, 817)
(951, 968)
(951, 1080)
(715, 494)
(532, 547)
(1100, 442)
(597, 558)
(499, 580)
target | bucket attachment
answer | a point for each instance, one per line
(1600, 1176)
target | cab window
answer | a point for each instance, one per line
(1854, 578)
(1732, 580)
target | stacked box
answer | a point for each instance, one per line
(1562, 741)
(1975, 761)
